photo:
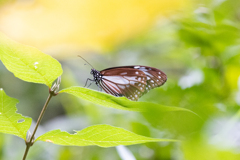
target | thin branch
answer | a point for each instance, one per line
(30, 141)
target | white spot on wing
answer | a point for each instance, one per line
(136, 67)
(130, 78)
(121, 86)
(116, 79)
(137, 72)
(123, 73)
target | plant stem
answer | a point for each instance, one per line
(29, 143)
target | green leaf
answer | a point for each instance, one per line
(10, 121)
(100, 135)
(28, 63)
(123, 103)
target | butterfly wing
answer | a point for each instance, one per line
(124, 81)
(155, 77)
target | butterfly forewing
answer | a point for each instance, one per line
(124, 81)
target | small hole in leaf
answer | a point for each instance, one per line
(21, 120)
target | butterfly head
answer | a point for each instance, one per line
(96, 75)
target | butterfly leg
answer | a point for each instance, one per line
(87, 82)
(99, 88)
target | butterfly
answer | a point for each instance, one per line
(129, 81)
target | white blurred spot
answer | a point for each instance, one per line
(202, 10)
(125, 153)
(237, 98)
(194, 77)
(221, 107)
(137, 67)
(0, 113)
(35, 65)
(224, 133)
(216, 3)
(146, 152)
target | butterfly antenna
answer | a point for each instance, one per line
(85, 61)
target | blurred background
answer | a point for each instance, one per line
(195, 43)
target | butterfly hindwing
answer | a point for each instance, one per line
(155, 77)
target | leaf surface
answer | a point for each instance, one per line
(10, 121)
(122, 103)
(100, 135)
(28, 63)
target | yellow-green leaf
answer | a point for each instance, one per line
(123, 103)
(100, 135)
(28, 63)
(10, 121)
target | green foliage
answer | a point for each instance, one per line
(31, 65)
(100, 135)
(10, 121)
(206, 40)
(28, 63)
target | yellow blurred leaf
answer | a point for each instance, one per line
(60, 25)
(232, 74)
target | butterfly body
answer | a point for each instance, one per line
(129, 81)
